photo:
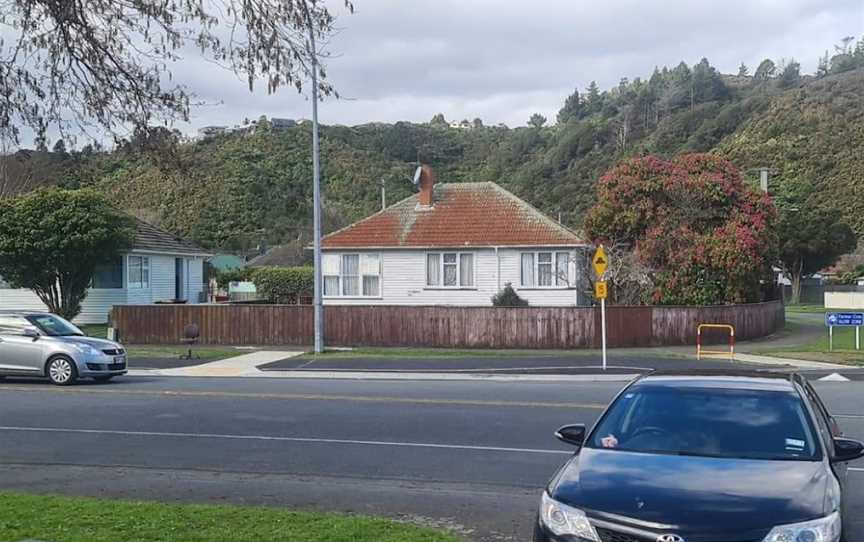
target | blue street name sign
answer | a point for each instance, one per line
(844, 319)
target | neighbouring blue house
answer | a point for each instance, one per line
(159, 267)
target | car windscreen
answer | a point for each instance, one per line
(54, 326)
(734, 423)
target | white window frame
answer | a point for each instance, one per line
(144, 266)
(458, 285)
(360, 274)
(568, 280)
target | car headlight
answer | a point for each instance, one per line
(565, 520)
(826, 529)
(85, 349)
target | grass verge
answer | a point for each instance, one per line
(806, 308)
(68, 519)
(207, 353)
(818, 350)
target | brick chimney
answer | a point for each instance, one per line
(427, 182)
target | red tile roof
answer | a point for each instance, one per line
(462, 214)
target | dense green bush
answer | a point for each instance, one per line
(508, 297)
(283, 284)
(239, 274)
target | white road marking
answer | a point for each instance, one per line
(283, 439)
(849, 416)
(834, 377)
(856, 469)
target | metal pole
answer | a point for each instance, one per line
(383, 194)
(857, 337)
(603, 329)
(763, 179)
(830, 338)
(316, 196)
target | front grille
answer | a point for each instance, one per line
(113, 351)
(612, 536)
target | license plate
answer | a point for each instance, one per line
(119, 359)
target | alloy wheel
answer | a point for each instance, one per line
(60, 371)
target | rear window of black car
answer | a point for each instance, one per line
(733, 423)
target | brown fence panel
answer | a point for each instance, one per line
(439, 327)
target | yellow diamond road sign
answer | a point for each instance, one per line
(600, 261)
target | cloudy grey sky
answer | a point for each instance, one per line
(502, 60)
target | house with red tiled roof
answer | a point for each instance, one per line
(454, 244)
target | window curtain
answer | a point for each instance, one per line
(562, 269)
(450, 275)
(433, 270)
(466, 270)
(330, 270)
(351, 274)
(528, 269)
(370, 268)
(544, 269)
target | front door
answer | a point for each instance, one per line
(179, 279)
(18, 353)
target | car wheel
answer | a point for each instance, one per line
(61, 371)
(103, 378)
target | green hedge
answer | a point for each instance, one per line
(283, 284)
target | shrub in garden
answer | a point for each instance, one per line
(508, 297)
(284, 285)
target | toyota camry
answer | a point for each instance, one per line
(703, 457)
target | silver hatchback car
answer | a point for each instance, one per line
(43, 344)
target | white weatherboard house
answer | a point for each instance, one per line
(160, 267)
(454, 244)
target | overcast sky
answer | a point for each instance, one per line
(502, 60)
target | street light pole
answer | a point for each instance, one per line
(316, 196)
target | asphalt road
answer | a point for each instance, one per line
(469, 456)
(577, 363)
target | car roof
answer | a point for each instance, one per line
(12, 312)
(744, 379)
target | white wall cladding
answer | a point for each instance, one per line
(403, 279)
(98, 303)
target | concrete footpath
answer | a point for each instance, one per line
(582, 367)
(244, 365)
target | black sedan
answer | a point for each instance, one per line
(703, 457)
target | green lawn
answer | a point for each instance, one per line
(844, 348)
(809, 309)
(447, 353)
(67, 519)
(207, 353)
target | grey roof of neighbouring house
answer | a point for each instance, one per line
(151, 239)
(287, 255)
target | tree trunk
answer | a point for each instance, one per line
(796, 283)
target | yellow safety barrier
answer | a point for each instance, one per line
(701, 352)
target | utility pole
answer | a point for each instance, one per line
(383, 193)
(316, 194)
(763, 179)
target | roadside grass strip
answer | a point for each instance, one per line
(70, 519)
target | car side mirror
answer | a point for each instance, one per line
(846, 449)
(571, 434)
(31, 332)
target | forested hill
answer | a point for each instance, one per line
(233, 191)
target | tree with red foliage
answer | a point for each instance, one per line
(706, 237)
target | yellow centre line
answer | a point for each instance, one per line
(310, 397)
